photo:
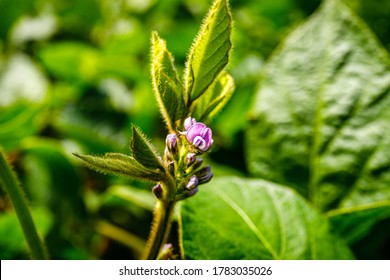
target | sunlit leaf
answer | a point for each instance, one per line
(209, 53)
(215, 98)
(166, 84)
(232, 218)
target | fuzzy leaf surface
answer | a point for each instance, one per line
(119, 164)
(209, 53)
(166, 84)
(143, 151)
(255, 219)
(215, 98)
(322, 119)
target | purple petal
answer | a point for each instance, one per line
(192, 183)
(200, 143)
(207, 136)
(195, 130)
(189, 122)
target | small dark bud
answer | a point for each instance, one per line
(171, 168)
(190, 159)
(193, 192)
(158, 191)
(166, 252)
(192, 183)
(198, 162)
(204, 175)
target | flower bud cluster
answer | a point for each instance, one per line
(181, 159)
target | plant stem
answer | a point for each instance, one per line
(161, 228)
(9, 182)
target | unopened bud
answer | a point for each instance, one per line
(171, 142)
(198, 162)
(193, 192)
(158, 191)
(192, 183)
(171, 168)
(190, 159)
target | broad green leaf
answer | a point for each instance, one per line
(119, 164)
(356, 222)
(215, 98)
(321, 117)
(143, 151)
(209, 53)
(166, 84)
(232, 218)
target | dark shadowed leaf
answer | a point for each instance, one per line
(143, 150)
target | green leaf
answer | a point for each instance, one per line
(119, 164)
(143, 151)
(215, 98)
(20, 121)
(166, 84)
(209, 53)
(321, 116)
(12, 242)
(356, 222)
(234, 218)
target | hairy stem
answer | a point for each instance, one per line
(9, 182)
(161, 228)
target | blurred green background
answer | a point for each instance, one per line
(74, 74)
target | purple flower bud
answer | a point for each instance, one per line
(192, 183)
(167, 246)
(204, 175)
(190, 159)
(198, 134)
(157, 191)
(171, 142)
(189, 122)
(193, 192)
(198, 162)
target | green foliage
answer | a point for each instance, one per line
(321, 119)
(143, 150)
(255, 219)
(210, 51)
(120, 164)
(215, 98)
(74, 76)
(166, 83)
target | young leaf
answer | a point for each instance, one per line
(255, 219)
(166, 84)
(321, 117)
(209, 53)
(119, 164)
(143, 150)
(215, 98)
